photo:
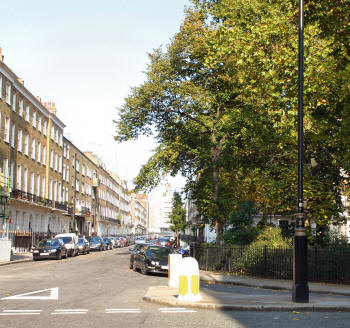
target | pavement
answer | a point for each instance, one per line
(227, 292)
(242, 293)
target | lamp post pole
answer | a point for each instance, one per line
(300, 292)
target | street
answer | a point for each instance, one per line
(99, 290)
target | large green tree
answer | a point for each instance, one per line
(221, 101)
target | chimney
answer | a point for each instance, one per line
(38, 99)
(1, 56)
(20, 81)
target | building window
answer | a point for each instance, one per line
(56, 136)
(39, 123)
(60, 164)
(77, 185)
(32, 177)
(7, 130)
(53, 133)
(50, 190)
(27, 113)
(8, 93)
(12, 174)
(19, 140)
(43, 187)
(45, 128)
(44, 155)
(51, 159)
(38, 185)
(13, 133)
(56, 161)
(5, 167)
(34, 118)
(61, 140)
(68, 149)
(67, 175)
(59, 193)
(20, 113)
(39, 152)
(33, 148)
(14, 102)
(77, 165)
(19, 177)
(64, 172)
(25, 180)
(26, 144)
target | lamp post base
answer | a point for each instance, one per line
(300, 290)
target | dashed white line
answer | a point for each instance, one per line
(70, 311)
(20, 312)
(176, 310)
(109, 311)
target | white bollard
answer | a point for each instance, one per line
(173, 271)
(189, 280)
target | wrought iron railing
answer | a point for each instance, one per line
(324, 264)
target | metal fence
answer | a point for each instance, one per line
(324, 264)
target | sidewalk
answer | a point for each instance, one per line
(19, 258)
(224, 292)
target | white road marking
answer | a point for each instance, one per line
(176, 310)
(20, 313)
(109, 311)
(53, 295)
(70, 311)
(22, 310)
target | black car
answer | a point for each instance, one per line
(96, 243)
(84, 246)
(50, 249)
(150, 258)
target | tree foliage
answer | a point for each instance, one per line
(221, 101)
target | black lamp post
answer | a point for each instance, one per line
(300, 272)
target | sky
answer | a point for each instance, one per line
(85, 56)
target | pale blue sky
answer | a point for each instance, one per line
(85, 55)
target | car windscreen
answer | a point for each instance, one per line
(67, 240)
(95, 239)
(81, 241)
(47, 243)
(158, 251)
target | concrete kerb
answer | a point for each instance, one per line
(167, 296)
(343, 290)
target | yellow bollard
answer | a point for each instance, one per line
(183, 285)
(188, 280)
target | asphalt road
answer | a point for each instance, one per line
(99, 290)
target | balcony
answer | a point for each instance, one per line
(34, 199)
(115, 221)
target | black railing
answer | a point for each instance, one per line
(324, 265)
(61, 206)
(26, 196)
(115, 221)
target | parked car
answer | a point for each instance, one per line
(50, 249)
(150, 258)
(96, 243)
(84, 246)
(108, 243)
(164, 242)
(119, 242)
(71, 242)
(140, 240)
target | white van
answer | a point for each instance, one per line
(71, 242)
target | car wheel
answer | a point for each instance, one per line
(130, 265)
(59, 256)
(134, 267)
(143, 269)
